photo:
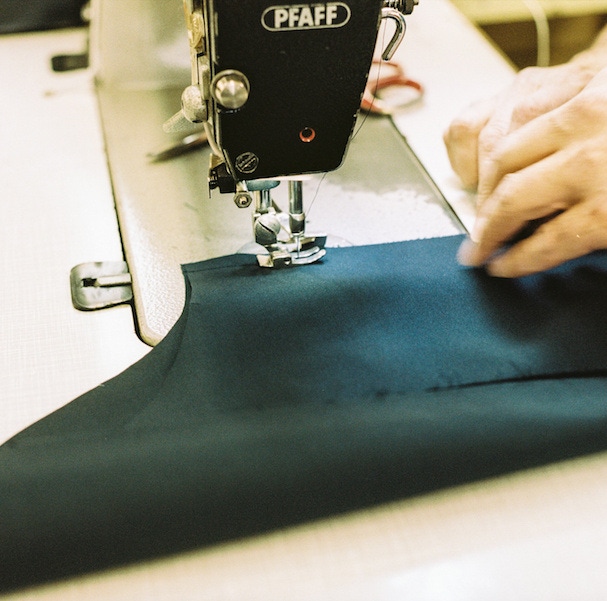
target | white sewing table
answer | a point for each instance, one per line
(540, 534)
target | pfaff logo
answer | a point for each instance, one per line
(329, 15)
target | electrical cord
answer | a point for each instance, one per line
(542, 27)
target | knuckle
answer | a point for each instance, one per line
(496, 159)
(506, 194)
(552, 237)
(487, 143)
(460, 130)
(584, 233)
(491, 138)
(587, 160)
(595, 228)
(524, 111)
(588, 109)
(529, 74)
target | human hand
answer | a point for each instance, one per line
(552, 169)
(472, 137)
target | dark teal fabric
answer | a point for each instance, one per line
(285, 396)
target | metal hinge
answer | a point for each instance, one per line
(100, 285)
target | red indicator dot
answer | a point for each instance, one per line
(307, 134)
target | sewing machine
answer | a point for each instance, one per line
(275, 90)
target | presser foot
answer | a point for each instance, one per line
(281, 236)
(302, 251)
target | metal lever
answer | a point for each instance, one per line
(399, 34)
(100, 285)
(193, 110)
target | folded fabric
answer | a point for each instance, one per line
(289, 395)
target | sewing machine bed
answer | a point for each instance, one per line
(380, 194)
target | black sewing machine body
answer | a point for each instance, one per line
(306, 66)
(277, 89)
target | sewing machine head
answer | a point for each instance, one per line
(278, 88)
(295, 66)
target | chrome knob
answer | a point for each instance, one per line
(230, 89)
(193, 110)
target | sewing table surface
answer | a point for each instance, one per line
(534, 534)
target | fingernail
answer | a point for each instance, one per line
(478, 229)
(466, 255)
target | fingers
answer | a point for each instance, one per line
(540, 158)
(571, 234)
(537, 171)
(536, 192)
(540, 90)
(531, 143)
(462, 140)
(514, 109)
(539, 192)
(491, 138)
(579, 120)
(472, 138)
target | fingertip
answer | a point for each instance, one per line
(467, 254)
(478, 230)
(469, 179)
(498, 269)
